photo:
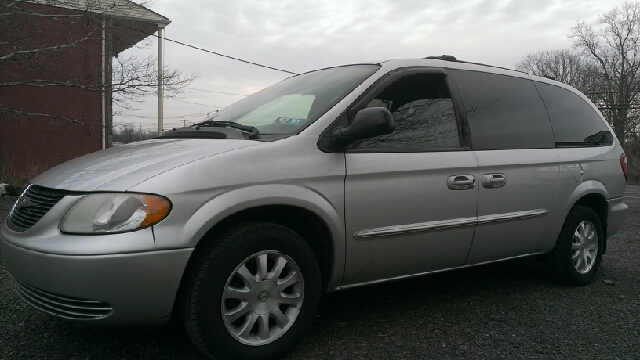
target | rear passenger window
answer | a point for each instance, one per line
(423, 112)
(503, 112)
(575, 123)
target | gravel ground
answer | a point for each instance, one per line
(507, 310)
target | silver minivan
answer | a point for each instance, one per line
(332, 179)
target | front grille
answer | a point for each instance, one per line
(31, 206)
(64, 307)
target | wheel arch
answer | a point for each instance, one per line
(300, 209)
(592, 194)
(304, 222)
(597, 203)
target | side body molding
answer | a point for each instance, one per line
(236, 200)
(399, 230)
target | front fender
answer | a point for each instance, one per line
(189, 233)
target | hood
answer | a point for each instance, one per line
(120, 168)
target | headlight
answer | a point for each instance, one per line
(114, 213)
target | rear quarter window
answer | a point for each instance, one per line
(503, 112)
(575, 123)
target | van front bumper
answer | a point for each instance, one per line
(115, 289)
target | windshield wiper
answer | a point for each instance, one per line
(253, 132)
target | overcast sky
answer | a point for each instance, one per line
(301, 35)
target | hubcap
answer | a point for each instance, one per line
(584, 247)
(262, 298)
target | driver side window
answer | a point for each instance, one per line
(423, 112)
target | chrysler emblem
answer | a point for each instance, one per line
(263, 297)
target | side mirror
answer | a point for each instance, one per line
(368, 123)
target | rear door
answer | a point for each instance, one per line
(410, 196)
(518, 165)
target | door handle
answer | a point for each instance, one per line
(461, 182)
(492, 181)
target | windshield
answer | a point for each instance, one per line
(290, 105)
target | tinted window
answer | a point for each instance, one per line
(504, 112)
(423, 112)
(574, 121)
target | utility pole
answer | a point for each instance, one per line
(160, 81)
(184, 123)
(140, 132)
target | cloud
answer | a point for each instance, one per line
(305, 35)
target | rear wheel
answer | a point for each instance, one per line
(578, 252)
(252, 294)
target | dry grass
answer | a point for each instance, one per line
(8, 175)
(12, 174)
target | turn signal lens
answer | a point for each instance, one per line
(157, 208)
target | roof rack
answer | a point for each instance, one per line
(453, 58)
(443, 57)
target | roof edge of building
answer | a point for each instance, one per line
(112, 8)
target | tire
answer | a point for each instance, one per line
(251, 293)
(578, 252)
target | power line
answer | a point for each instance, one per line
(154, 117)
(195, 103)
(217, 92)
(136, 116)
(210, 51)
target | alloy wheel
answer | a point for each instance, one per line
(584, 247)
(262, 298)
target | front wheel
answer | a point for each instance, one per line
(252, 293)
(578, 252)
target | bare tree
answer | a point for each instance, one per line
(128, 132)
(39, 43)
(604, 65)
(563, 65)
(133, 78)
(613, 45)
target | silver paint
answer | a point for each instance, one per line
(409, 276)
(532, 184)
(388, 189)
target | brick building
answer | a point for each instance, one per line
(55, 72)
